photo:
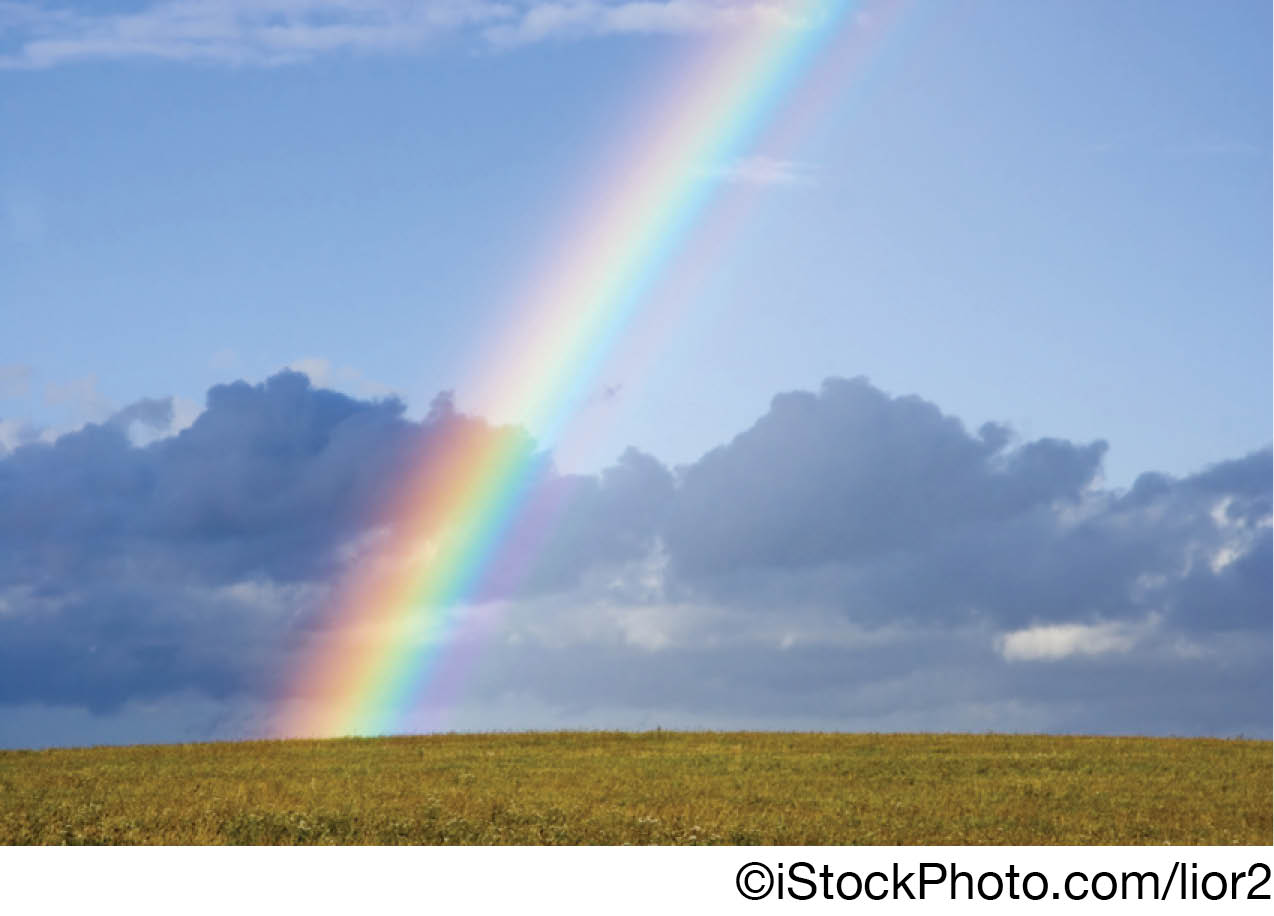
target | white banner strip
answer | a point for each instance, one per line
(648, 880)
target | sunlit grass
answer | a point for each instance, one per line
(648, 787)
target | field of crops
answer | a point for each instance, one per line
(649, 787)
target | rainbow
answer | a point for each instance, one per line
(454, 509)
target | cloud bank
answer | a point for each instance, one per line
(280, 32)
(853, 560)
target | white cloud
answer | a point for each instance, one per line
(1058, 641)
(650, 627)
(262, 32)
(182, 413)
(318, 369)
(14, 433)
(1240, 534)
(264, 596)
(762, 170)
(185, 412)
(275, 32)
(323, 374)
(540, 20)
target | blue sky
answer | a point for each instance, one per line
(1052, 216)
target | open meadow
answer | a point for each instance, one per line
(647, 787)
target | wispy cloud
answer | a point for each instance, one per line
(537, 21)
(68, 406)
(275, 32)
(16, 432)
(1058, 641)
(80, 397)
(252, 32)
(763, 170)
(15, 380)
(322, 373)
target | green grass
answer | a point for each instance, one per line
(650, 787)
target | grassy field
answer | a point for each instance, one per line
(651, 787)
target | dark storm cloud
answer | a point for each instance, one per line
(264, 482)
(892, 510)
(607, 519)
(851, 560)
(851, 473)
(948, 676)
(118, 563)
(131, 571)
(156, 413)
(941, 680)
